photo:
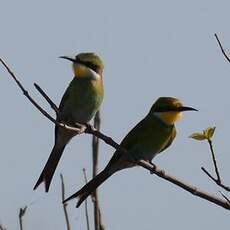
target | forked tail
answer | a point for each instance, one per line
(90, 187)
(50, 167)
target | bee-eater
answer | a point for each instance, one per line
(79, 104)
(149, 137)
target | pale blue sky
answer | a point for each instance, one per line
(150, 49)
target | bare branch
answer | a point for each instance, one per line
(225, 197)
(64, 204)
(214, 161)
(22, 212)
(86, 205)
(152, 168)
(25, 92)
(95, 149)
(52, 105)
(221, 47)
(218, 181)
(184, 185)
(208, 174)
(227, 188)
(108, 140)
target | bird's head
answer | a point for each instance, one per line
(169, 109)
(86, 64)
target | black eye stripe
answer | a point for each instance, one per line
(88, 64)
(162, 109)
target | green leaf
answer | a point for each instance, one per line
(198, 136)
(209, 132)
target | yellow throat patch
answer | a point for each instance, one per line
(170, 117)
(79, 70)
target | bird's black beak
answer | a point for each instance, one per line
(68, 58)
(185, 108)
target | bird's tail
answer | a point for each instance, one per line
(50, 167)
(90, 187)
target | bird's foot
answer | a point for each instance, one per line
(81, 127)
(88, 126)
(154, 166)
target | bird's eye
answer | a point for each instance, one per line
(91, 66)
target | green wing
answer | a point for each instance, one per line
(64, 99)
(128, 141)
(144, 134)
(61, 105)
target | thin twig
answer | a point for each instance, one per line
(221, 47)
(225, 197)
(53, 106)
(25, 92)
(227, 188)
(22, 212)
(64, 204)
(86, 204)
(155, 170)
(217, 180)
(214, 161)
(95, 149)
(209, 174)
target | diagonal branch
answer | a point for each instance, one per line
(227, 188)
(225, 197)
(221, 47)
(184, 185)
(25, 92)
(152, 168)
(208, 174)
(53, 106)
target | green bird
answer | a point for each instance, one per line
(79, 104)
(149, 137)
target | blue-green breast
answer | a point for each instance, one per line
(81, 100)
